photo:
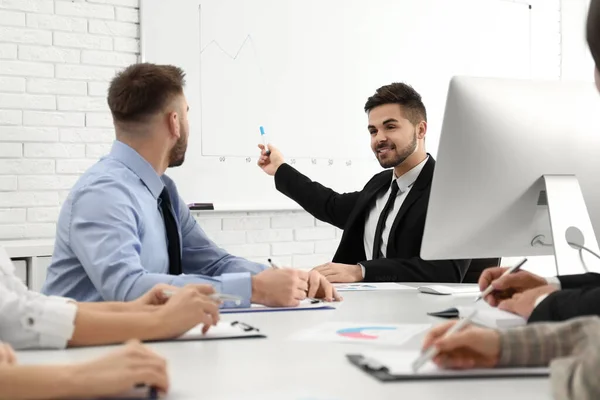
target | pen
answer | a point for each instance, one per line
(264, 140)
(272, 264)
(433, 351)
(490, 288)
(214, 296)
(152, 390)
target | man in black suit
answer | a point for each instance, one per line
(383, 224)
(556, 298)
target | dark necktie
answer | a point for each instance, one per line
(382, 219)
(173, 245)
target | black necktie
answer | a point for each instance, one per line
(173, 245)
(382, 219)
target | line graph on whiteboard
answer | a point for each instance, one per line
(238, 94)
(247, 40)
(304, 70)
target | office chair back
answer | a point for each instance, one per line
(476, 268)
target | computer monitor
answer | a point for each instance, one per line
(517, 173)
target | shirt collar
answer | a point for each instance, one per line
(406, 181)
(136, 163)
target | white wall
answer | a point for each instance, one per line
(576, 60)
(56, 58)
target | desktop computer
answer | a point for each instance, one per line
(517, 173)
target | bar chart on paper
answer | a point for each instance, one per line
(371, 286)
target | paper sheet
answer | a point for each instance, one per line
(449, 290)
(356, 287)
(304, 305)
(492, 317)
(399, 362)
(371, 333)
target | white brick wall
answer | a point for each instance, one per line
(56, 59)
(260, 235)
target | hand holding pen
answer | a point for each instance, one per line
(433, 350)
(270, 157)
(460, 345)
(498, 281)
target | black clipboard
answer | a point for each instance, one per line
(381, 373)
(447, 313)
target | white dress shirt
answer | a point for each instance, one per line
(405, 183)
(29, 319)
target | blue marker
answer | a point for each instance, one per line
(262, 134)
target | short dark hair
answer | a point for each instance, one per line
(402, 94)
(593, 31)
(142, 90)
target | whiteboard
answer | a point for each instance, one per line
(303, 69)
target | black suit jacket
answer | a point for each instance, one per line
(348, 211)
(580, 296)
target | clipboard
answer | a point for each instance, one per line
(305, 305)
(378, 370)
(223, 330)
(442, 290)
(487, 316)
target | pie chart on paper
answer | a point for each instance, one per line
(364, 332)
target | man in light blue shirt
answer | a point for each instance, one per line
(112, 239)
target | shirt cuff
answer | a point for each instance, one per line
(55, 322)
(362, 268)
(554, 281)
(540, 299)
(239, 284)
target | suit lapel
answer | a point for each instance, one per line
(422, 183)
(368, 200)
(351, 246)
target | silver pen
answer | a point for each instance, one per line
(215, 296)
(272, 264)
(490, 289)
(433, 351)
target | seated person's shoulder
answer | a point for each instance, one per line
(105, 184)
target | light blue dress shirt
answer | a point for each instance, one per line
(111, 241)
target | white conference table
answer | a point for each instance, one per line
(280, 368)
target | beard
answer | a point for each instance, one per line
(394, 156)
(177, 154)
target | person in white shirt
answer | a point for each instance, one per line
(32, 320)
(119, 372)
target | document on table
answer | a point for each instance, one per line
(450, 290)
(487, 315)
(223, 330)
(396, 365)
(307, 304)
(361, 287)
(365, 333)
